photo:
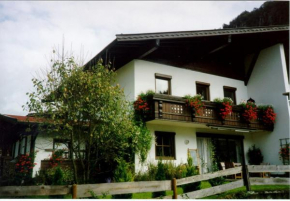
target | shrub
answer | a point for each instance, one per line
(23, 168)
(160, 175)
(216, 181)
(47, 177)
(191, 171)
(58, 177)
(123, 174)
(181, 171)
(255, 156)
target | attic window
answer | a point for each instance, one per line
(163, 84)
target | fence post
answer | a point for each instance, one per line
(74, 191)
(246, 178)
(174, 189)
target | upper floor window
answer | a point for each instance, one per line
(230, 92)
(203, 89)
(163, 84)
(165, 145)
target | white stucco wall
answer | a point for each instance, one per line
(125, 77)
(181, 149)
(42, 142)
(266, 85)
(183, 81)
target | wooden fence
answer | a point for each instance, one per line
(84, 190)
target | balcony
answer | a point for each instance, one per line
(168, 107)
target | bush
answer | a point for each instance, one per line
(47, 177)
(160, 175)
(218, 180)
(191, 171)
(123, 174)
(255, 156)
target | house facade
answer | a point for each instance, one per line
(244, 63)
(237, 63)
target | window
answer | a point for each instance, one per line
(230, 92)
(165, 145)
(62, 144)
(163, 84)
(203, 89)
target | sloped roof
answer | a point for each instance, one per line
(22, 119)
(191, 34)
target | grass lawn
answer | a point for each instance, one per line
(204, 185)
(253, 188)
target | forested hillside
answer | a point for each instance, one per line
(270, 13)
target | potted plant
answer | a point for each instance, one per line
(250, 111)
(142, 106)
(195, 102)
(255, 156)
(284, 154)
(267, 114)
(224, 107)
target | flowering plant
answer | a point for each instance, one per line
(195, 102)
(225, 106)
(24, 165)
(250, 111)
(56, 158)
(142, 105)
(267, 114)
(284, 152)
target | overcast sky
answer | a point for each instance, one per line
(30, 30)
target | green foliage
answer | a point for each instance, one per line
(23, 168)
(223, 100)
(270, 13)
(58, 177)
(148, 175)
(195, 102)
(123, 173)
(215, 161)
(94, 196)
(160, 175)
(47, 177)
(255, 156)
(191, 171)
(142, 106)
(86, 107)
(56, 158)
(142, 111)
(218, 180)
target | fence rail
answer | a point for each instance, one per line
(84, 190)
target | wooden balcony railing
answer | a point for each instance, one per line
(173, 108)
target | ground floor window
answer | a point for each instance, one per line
(62, 144)
(165, 145)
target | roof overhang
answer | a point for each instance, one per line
(195, 50)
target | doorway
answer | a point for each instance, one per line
(225, 148)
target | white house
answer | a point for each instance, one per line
(239, 63)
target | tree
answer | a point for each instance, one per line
(269, 13)
(90, 110)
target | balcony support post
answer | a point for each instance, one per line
(160, 110)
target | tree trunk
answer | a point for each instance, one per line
(72, 158)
